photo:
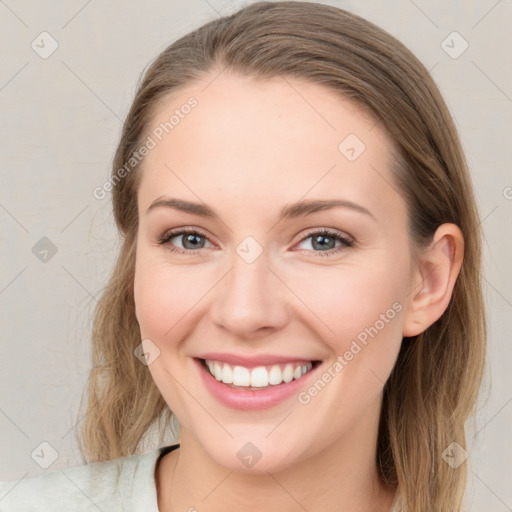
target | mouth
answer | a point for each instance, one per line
(257, 378)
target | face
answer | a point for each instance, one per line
(297, 310)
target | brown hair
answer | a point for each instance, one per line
(434, 386)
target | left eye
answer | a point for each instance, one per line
(325, 241)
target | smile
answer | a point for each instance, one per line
(258, 377)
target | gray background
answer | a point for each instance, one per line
(60, 121)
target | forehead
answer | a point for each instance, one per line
(278, 139)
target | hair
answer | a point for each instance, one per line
(433, 388)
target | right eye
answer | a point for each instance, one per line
(191, 240)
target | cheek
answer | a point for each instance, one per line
(161, 297)
(348, 300)
(363, 311)
(168, 297)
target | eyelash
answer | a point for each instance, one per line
(346, 242)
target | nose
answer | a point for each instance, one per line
(250, 301)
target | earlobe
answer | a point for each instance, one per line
(437, 271)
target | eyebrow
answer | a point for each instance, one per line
(299, 209)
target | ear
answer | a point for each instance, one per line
(434, 279)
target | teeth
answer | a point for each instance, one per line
(227, 374)
(275, 375)
(241, 376)
(288, 373)
(258, 377)
(217, 370)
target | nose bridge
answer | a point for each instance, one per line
(250, 297)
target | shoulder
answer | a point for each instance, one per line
(116, 485)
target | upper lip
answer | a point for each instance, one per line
(252, 361)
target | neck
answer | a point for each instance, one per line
(342, 477)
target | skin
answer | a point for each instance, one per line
(248, 149)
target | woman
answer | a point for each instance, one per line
(298, 283)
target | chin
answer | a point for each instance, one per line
(253, 457)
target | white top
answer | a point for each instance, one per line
(125, 484)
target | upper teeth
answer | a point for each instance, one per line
(258, 377)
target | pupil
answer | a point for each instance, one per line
(319, 242)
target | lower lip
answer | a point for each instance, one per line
(251, 400)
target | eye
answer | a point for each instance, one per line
(324, 242)
(191, 240)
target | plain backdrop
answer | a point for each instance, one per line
(61, 116)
